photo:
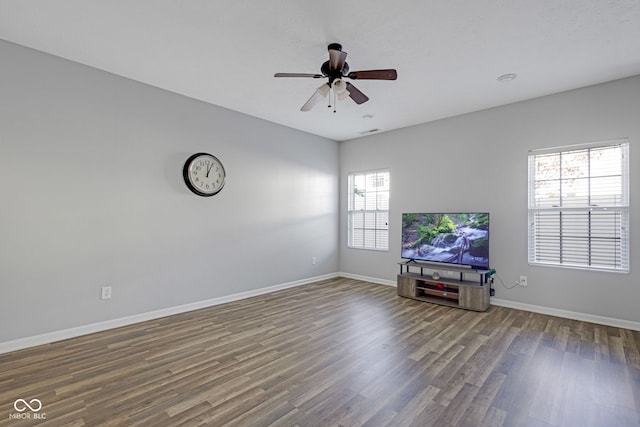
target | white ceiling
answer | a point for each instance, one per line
(448, 53)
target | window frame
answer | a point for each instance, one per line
(542, 209)
(377, 213)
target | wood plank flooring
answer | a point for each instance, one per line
(339, 352)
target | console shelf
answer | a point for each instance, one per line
(447, 285)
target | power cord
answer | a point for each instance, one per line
(505, 286)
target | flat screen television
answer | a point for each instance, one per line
(455, 238)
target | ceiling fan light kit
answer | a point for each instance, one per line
(336, 70)
(339, 86)
(324, 90)
(343, 95)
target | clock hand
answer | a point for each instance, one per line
(209, 169)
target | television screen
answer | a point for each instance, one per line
(455, 238)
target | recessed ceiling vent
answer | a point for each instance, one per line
(366, 132)
(507, 77)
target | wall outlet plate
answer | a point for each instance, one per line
(106, 292)
(523, 281)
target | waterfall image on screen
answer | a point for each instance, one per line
(456, 238)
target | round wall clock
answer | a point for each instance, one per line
(204, 174)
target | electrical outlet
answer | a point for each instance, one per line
(523, 281)
(106, 292)
(313, 260)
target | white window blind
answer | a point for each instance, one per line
(368, 210)
(579, 206)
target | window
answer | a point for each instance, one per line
(579, 206)
(368, 210)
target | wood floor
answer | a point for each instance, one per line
(334, 353)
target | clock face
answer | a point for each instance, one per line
(204, 174)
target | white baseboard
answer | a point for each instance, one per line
(368, 279)
(584, 317)
(50, 337)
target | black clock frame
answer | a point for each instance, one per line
(187, 181)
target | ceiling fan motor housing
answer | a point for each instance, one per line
(334, 74)
(326, 67)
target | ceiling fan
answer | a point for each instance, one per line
(336, 70)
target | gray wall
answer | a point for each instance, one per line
(478, 162)
(91, 194)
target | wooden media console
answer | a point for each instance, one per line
(448, 285)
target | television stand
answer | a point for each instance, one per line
(460, 287)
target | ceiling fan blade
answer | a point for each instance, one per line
(389, 74)
(319, 94)
(337, 58)
(356, 95)
(311, 102)
(315, 76)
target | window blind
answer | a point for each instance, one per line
(579, 206)
(368, 210)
